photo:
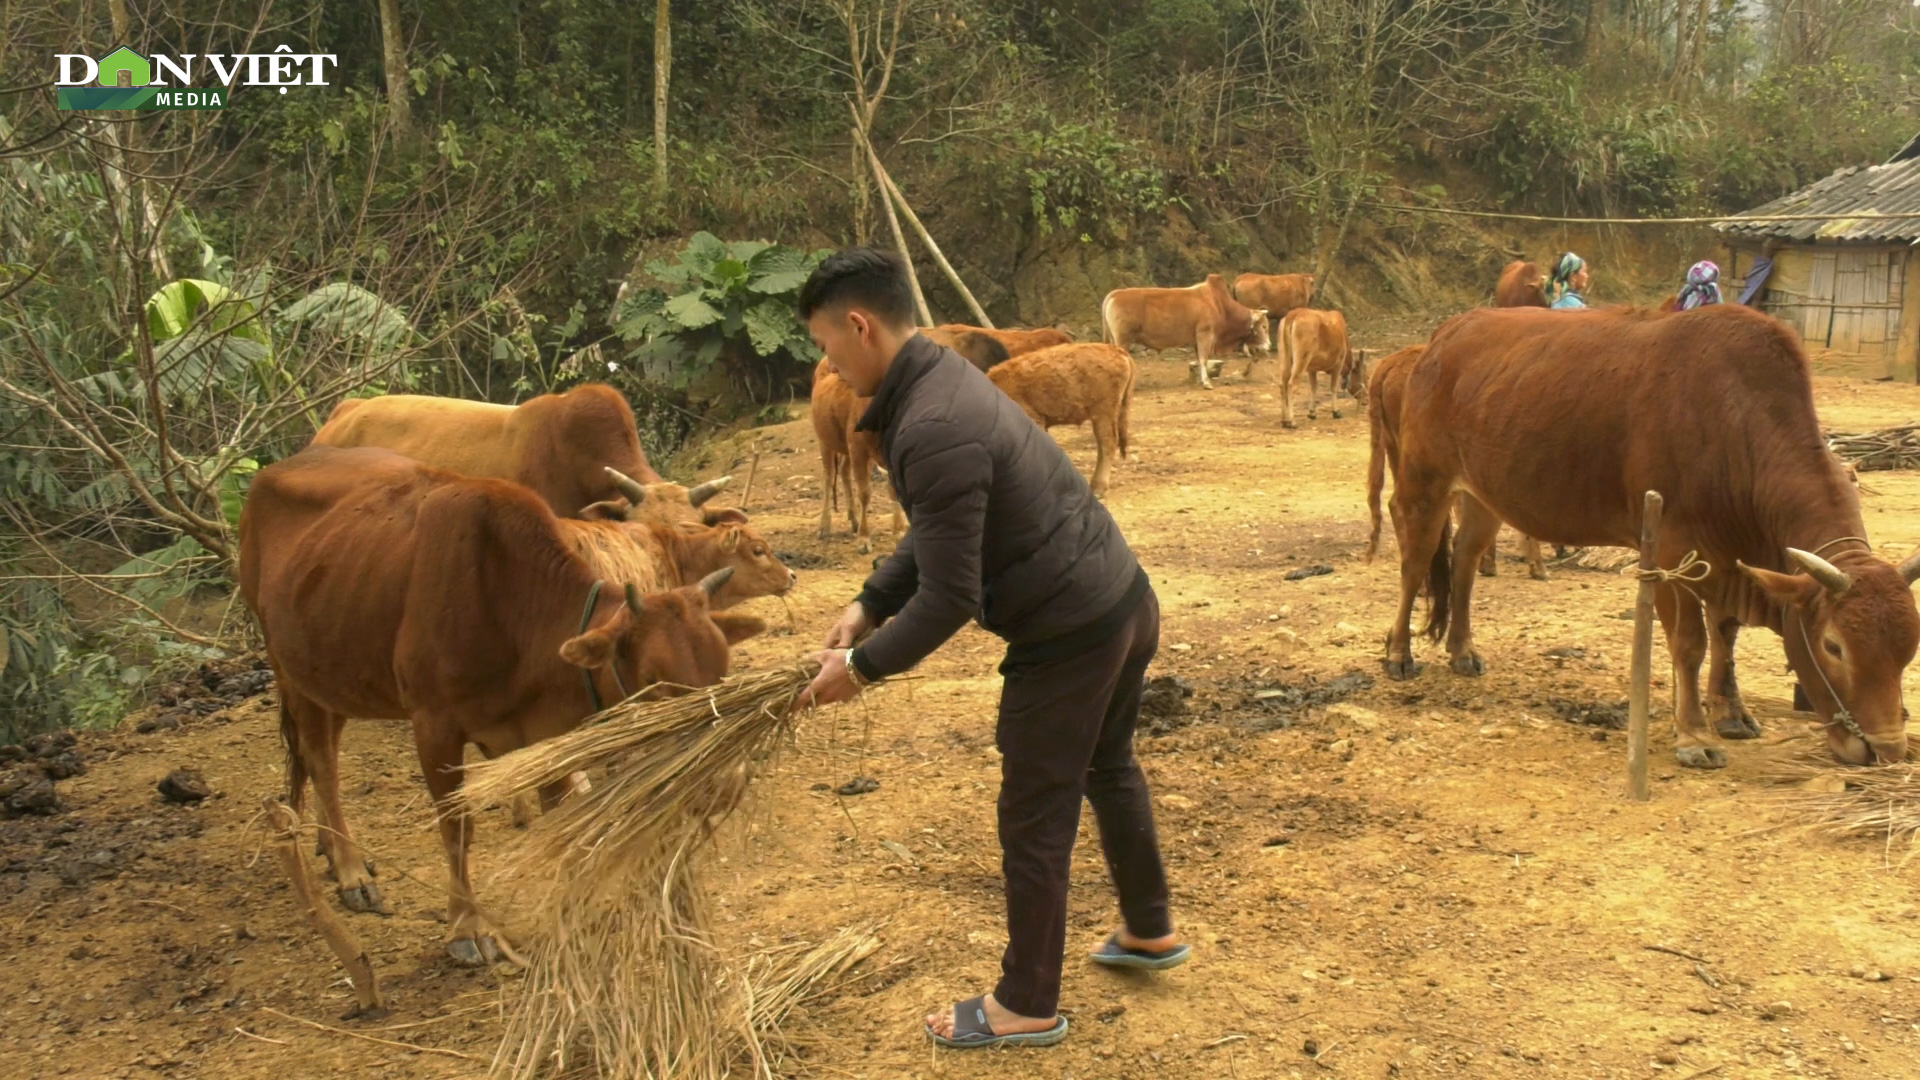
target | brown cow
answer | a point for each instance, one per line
(559, 445)
(1385, 393)
(1203, 317)
(1522, 284)
(981, 348)
(392, 590)
(1314, 343)
(846, 455)
(1075, 384)
(1016, 342)
(1277, 293)
(1565, 450)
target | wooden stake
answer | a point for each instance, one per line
(893, 221)
(753, 469)
(913, 219)
(1642, 676)
(286, 842)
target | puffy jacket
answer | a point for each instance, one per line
(1002, 528)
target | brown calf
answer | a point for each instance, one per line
(981, 348)
(846, 455)
(1016, 342)
(1313, 343)
(1521, 284)
(1075, 384)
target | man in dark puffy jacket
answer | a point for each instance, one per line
(1003, 530)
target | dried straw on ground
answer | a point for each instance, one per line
(1888, 448)
(624, 979)
(1822, 796)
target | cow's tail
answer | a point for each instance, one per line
(290, 742)
(1376, 471)
(1440, 583)
(1126, 406)
(1107, 333)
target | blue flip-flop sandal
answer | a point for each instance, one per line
(971, 1031)
(1115, 955)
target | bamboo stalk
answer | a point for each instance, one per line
(893, 221)
(1640, 686)
(913, 219)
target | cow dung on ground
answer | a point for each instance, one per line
(184, 786)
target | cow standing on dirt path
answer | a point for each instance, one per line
(1276, 294)
(1314, 343)
(1565, 452)
(1203, 317)
(391, 590)
(847, 455)
(1521, 284)
(1075, 384)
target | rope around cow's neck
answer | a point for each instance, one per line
(1840, 715)
(1861, 540)
(586, 674)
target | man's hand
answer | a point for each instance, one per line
(833, 685)
(853, 623)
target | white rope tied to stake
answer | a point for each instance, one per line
(1692, 569)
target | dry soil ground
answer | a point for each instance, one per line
(1435, 878)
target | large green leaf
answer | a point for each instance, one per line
(182, 305)
(154, 577)
(233, 489)
(777, 260)
(747, 250)
(771, 326)
(341, 310)
(703, 251)
(779, 282)
(690, 312)
(728, 274)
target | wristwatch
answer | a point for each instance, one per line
(853, 673)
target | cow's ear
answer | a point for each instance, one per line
(738, 628)
(1794, 589)
(605, 510)
(590, 650)
(730, 516)
(730, 538)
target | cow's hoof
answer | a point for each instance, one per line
(1740, 726)
(1537, 573)
(1336, 414)
(474, 952)
(1286, 424)
(1700, 757)
(365, 897)
(1401, 668)
(864, 547)
(1488, 569)
(1470, 664)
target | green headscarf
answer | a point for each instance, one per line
(1561, 279)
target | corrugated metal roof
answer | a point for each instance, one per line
(1893, 188)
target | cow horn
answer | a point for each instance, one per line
(1834, 578)
(635, 492)
(700, 493)
(712, 582)
(634, 603)
(1910, 570)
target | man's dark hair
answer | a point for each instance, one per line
(864, 277)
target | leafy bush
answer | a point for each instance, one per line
(725, 303)
(1555, 149)
(1085, 175)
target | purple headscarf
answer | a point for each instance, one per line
(1702, 287)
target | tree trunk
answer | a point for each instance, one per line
(124, 139)
(399, 86)
(861, 193)
(893, 222)
(662, 74)
(889, 188)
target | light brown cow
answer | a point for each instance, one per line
(982, 349)
(1016, 342)
(846, 456)
(1076, 384)
(391, 590)
(1522, 284)
(1203, 317)
(1565, 451)
(1276, 293)
(559, 445)
(1314, 343)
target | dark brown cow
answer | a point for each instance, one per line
(1277, 294)
(1203, 317)
(1522, 284)
(982, 349)
(846, 456)
(559, 445)
(1016, 342)
(1076, 384)
(1313, 343)
(1559, 421)
(391, 590)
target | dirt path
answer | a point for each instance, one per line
(1435, 878)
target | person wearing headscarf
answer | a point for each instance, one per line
(1702, 286)
(1566, 283)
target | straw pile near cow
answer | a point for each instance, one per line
(624, 979)
(1882, 802)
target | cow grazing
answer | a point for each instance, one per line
(1276, 293)
(846, 455)
(1522, 284)
(1712, 408)
(1314, 343)
(981, 349)
(1075, 384)
(391, 590)
(1203, 317)
(559, 445)
(1016, 342)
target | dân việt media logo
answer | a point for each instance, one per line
(126, 79)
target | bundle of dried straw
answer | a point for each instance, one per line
(1882, 801)
(1887, 448)
(624, 979)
